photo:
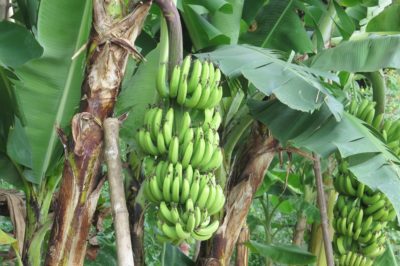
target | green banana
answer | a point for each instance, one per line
(161, 84)
(167, 187)
(191, 222)
(174, 82)
(156, 123)
(205, 95)
(161, 143)
(187, 155)
(375, 207)
(204, 74)
(194, 190)
(208, 230)
(175, 189)
(194, 75)
(154, 189)
(370, 200)
(182, 235)
(169, 231)
(367, 225)
(173, 150)
(215, 160)
(202, 200)
(185, 191)
(166, 213)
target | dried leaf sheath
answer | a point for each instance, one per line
(113, 40)
(247, 176)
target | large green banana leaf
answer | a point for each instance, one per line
(286, 254)
(49, 87)
(298, 87)
(137, 93)
(370, 160)
(364, 55)
(278, 26)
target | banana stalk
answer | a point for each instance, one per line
(81, 184)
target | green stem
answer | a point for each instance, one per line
(34, 252)
(171, 15)
(378, 90)
(164, 42)
(325, 24)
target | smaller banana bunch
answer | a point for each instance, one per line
(181, 141)
(361, 217)
(192, 85)
(390, 130)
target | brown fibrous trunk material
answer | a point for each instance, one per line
(113, 39)
(246, 177)
(242, 252)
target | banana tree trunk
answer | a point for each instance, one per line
(113, 41)
(247, 175)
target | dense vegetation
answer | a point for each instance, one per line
(251, 132)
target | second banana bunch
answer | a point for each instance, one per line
(181, 141)
(361, 214)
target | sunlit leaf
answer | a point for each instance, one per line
(387, 20)
(298, 87)
(49, 87)
(365, 55)
(321, 133)
(286, 254)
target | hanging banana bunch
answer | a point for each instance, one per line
(361, 214)
(182, 144)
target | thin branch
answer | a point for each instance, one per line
(323, 211)
(117, 194)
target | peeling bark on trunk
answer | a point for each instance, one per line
(242, 252)
(247, 175)
(113, 40)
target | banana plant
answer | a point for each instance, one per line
(286, 66)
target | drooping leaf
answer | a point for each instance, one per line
(9, 173)
(387, 20)
(251, 9)
(5, 239)
(27, 12)
(279, 27)
(344, 24)
(137, 93)
(17, 45)
(49, 87)
(18, 146)
(296, 86)
(9, 108)
(229, 23)
(365, 55)
(287, 254)
(369, 158)
(173, 256)
(218, 5)
(202, 32)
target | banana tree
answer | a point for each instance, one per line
(282, 92)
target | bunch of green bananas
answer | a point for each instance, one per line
(361, 213)
(192, 85)
(389, 129)
(361, 216)
(182, 144)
